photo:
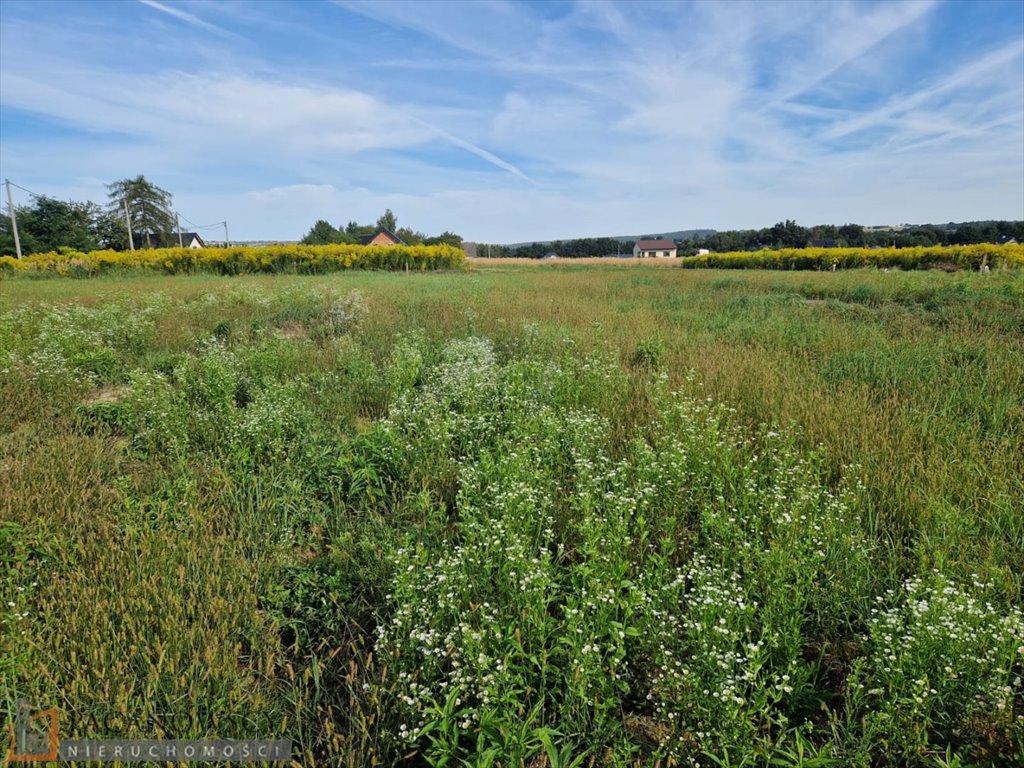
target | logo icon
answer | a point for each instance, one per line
(33, 737)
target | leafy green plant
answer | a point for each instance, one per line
(649, 354)
(940, 663)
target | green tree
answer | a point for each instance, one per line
(150, 207)
(445, 238)
(852, 235)
(322, 233)
(50, 224)
(788, 234)
(409, 237)
(358, 231)
(108, 228)
(388, 221)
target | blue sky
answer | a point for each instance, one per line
(515, 121)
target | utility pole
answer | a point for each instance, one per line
(128, 221)
(14, 219)
(227, 242)
(177, 223)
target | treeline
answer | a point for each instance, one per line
(588, 247)
(789, 234)
(49, 225)
(353, 233)
(785, 234)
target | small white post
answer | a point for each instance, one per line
(128, 221)
(14, 219)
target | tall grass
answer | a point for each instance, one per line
(520, 516)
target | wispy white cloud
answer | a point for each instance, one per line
(188, 18)
(205, 115)
(844, 33)
(215, 113)
(290, 191)
(1008, 58)
(620, 117)
(475, 150)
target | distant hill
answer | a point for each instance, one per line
(679, 235)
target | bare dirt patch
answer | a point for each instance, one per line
(293, 331)
(105, 396)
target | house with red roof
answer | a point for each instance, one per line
(382, 237)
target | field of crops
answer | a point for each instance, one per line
(520, 516)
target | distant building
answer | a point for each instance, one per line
(823, 243)
(703, 251)
(382, 237)
(168, 240)
(190, 240)
(649, 249)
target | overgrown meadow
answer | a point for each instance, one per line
(570, 516)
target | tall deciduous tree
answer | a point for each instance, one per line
(788, 234)
(852, 235)
(388, 221)
(409, 236)
(357, 232)
(447, 238)
(150, 206)
(109, 228)
(50, 224)
(322, 233)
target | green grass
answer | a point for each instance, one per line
(520, 515)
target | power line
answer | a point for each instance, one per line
(36, 195)
(227, 240)
(184, 218)
(26, 190)
(200, 226)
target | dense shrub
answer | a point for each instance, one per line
(951, 257)
(302, 259)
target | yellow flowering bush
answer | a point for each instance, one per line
(920, 257)
(241, 259)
